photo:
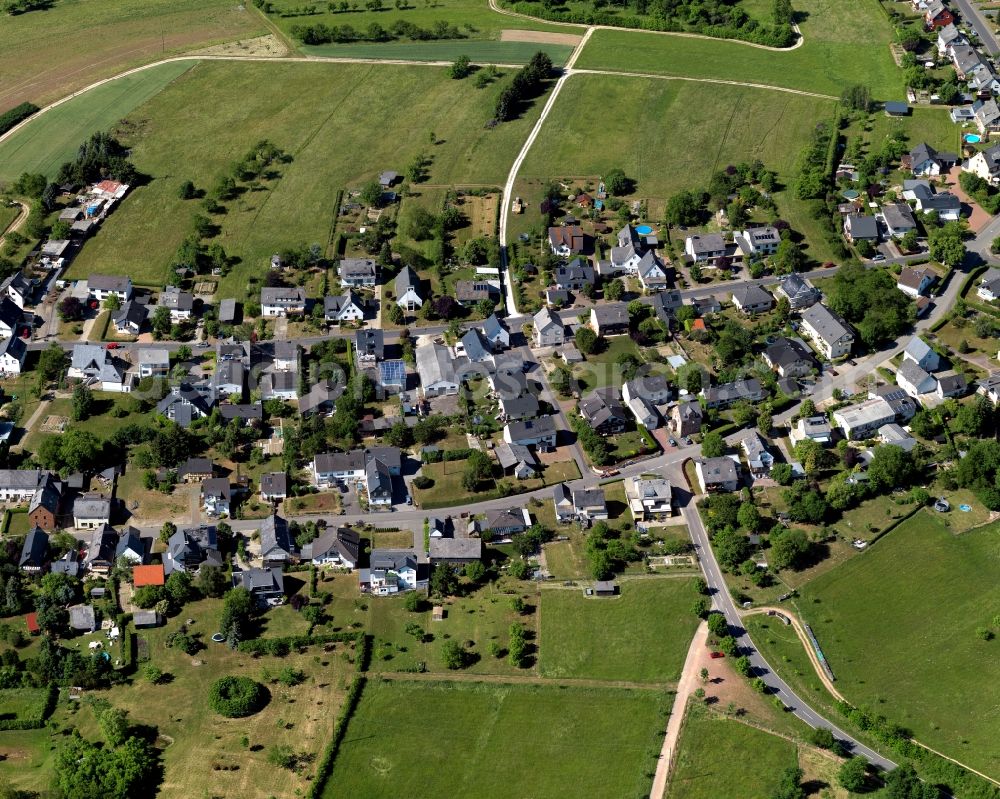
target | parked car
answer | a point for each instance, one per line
(113, 345)
(717, 655)
(878, 258)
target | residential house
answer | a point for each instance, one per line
(949, 37)
(216, 496)
(718, 474)
(652, 388)
(724, 395)
(474, 347)
(937, 15)
(132, 547)
(759, 459)
(394, 571)
(989, 285)
(799, 292)
(346, 307)
(369, 344)
(951, 384)
(69, 563)
(562, 499)
(665, 305)
(34, 552)
(471, 292)
(19, 485)
(517, 460)
(759, 242)
(920, 352)
(814, 428)
(589, 504)
(567, 240)
(895, 436)
(191, 548)
(860, 228)
(336, 546)
(18, 289)
(789, 357)
(100, 287)
(195, 470)
(985, 164)
(507, 522)
(330, 468)
(686, 418)
(495, 331)
(277, 385)
(179, 303)
(436, 369)
(378, 483)
(266, 586)
(321, 398)
(229, 379)
(609, 319)
(43, 510)
(914, 380)
(749, 298)
(184, 404)
(916, 281)
(407, 288)
(986, 115)
(649, 498)
(148, 575)
(829, 333)
(602, 411)
(862, 420)
(95, 365)
(282, 301)
(91, 511)
(577, 275)
(540, 432)
(392, 376)
(12, 353)
(898, 219)
(925, 161)
(358, 272)
(548, 329)
(652, 273)
(153, 362)
(82, 619)
(130, 318)
(277, 545)
(11, 318)
(706, 249)
(274, 486)
(101, 550)
(456, 551)
(988, 387)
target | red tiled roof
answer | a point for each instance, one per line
(147, 575)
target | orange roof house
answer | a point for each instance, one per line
(147, 575)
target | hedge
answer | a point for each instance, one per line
(325, 768)
(436, 456)
(35, 722)
(15, 115)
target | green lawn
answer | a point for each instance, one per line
(602, 742)
(924, 124)
(479, 51)
(46, 54)
(917, 598)
(839, 50)
(641, 635)
(8, 213)
(53, 138)
(358, 135)
(710, 745)
(22, 703)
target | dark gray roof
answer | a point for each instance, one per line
(275, 536)
(274, 483)
(35, 549)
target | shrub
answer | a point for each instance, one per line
(235, 697)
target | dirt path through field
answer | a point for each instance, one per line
(541, 37)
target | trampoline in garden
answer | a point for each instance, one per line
(218, 638)
(643, 230)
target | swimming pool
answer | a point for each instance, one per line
(972, 138)
(851, 194)
(644, 230)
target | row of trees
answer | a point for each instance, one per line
(321, 33)
(524, 86)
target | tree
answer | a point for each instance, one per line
(857, 98)
(903, 783)
(160, 322)
(84, 770)
(790, 785)
(790, 549)
(617, 183)
(478, 469)
(684, 208)
(975, 418)
(114, 725)
(614, 290)
(167, 530)
(782, 13)
(947, 245)
(443, 580)
(475, 571)
(371, 194)
(71, 309)
(211, 581)
(717, 625)
(822, 737)
(586, 340)
(891, 467)
(713, 445)
(187, 191)
(750, 518)
(909, 241)
(180, 589)
(51, 363)
(74, 451)
(460, 68)
(788, 258)
(393, 313)
(852, 774)
(83, 402)
(453, 655)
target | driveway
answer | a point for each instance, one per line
(978, 219)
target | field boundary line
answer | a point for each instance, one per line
(18, 221)
(719, 81)
(684, 34)
(522, 679)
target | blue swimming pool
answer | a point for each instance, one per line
(644, 230)
(972, 138)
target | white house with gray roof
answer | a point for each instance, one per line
(829, 333)
(97, 366)
(358, 272)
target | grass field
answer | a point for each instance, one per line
(839, 50)
(924, 124)
(53, 138)
(236, 105)
(932, 671)
(601, 741)
(46, 54)
(479, 51)
(709, 747)
(641, 635)
(22, 703)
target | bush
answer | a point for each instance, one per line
(236, 697)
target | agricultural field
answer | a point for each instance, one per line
(838, 51)
(481, 52)
(51, 139)
(602, 741)
(642, 635)
(237, 105)
(49, 53)
(712, 759)
(932, 659)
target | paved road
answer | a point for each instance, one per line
(722, 601)
(982, 26)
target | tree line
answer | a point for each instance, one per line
(321, 33)
(524, 86)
